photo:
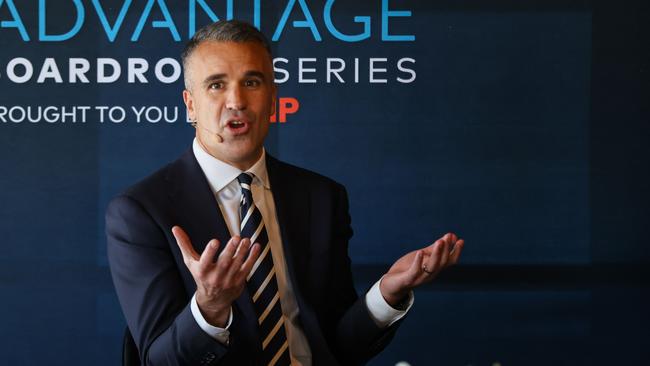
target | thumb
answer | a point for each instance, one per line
(185, 245)
(416, 266)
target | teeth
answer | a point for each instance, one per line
(237, 123)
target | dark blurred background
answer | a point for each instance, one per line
(525, 131)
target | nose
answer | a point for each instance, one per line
(236, 99)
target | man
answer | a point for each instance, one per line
(228, 256)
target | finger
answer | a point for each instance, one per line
(185, 245)
(207, 257)
(243, 245)
(428, 251)
(226, 257)
(416, 268)
(239, 257)
(444, 254)
(453, 244)
(253, 255)
(431, 248)
(455, 253)
(449, 239)
(433, 262)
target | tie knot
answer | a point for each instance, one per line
(245, 180)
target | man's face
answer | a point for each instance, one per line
(231, 94)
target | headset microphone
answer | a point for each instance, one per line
(195, 124)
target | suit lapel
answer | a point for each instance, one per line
(193, 200)
(293, 212)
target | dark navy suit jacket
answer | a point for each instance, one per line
(154, 286)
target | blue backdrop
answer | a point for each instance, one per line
(522, 126)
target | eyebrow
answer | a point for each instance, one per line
(213, 77)
(255, 73)
(216, 77)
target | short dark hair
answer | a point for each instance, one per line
(223, 31)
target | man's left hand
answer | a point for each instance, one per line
(418, 267)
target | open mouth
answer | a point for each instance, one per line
(235, 125)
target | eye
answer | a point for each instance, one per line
(252, 83)
(216, 85)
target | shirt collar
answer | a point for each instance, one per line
(220, 174)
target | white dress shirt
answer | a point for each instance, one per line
(223, 182)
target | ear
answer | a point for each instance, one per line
(189, 104)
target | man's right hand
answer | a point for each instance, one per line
(218, 282)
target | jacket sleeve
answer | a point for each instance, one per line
(151, 292)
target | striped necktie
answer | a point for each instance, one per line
(262, 283)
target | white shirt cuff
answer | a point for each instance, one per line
(381, 312)
(222, 335)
